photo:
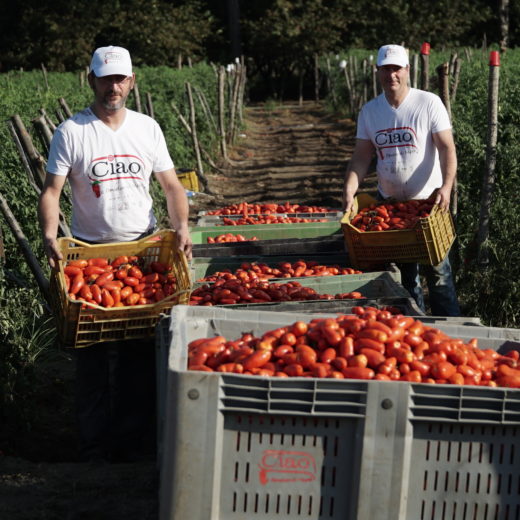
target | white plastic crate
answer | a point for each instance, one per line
(246, 447)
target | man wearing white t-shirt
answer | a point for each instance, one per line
(108, 153)
(409, 132)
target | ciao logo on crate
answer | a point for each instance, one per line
(286, 466)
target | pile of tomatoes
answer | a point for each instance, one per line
(118, 283)
(388, 216)
(233, 291)
(249, 271)
(269, 219)
(369, 344)
(245, 208)
(229, 237)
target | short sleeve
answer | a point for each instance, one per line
(162, 159)
(440, 118)
(60, 160)
(361, 132)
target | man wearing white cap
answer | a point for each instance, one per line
(409, 131)
(108, 153)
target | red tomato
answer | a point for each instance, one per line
(77, 283)
(358, 373)
(442, 370)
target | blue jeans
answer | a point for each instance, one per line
(441, 287)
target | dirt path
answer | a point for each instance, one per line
(289, 153)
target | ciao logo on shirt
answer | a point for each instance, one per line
(395, 138)
(286, 466)
(113, 167)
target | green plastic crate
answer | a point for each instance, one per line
(218, 220)
(268, 232)
(201, 267)
(379, 284)
(294, 246)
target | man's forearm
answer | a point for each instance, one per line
(178, 208)
(48, 216)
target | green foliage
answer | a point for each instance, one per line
(25, 335)
(491, 292)
(62, 35)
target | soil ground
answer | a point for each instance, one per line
(289, 153)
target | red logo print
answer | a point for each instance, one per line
(286, 466)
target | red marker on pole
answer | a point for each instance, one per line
(425, 48)
(494, 59)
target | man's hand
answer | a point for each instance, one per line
(348, 202)
(52, 251)
(441, 196)
(185, 243)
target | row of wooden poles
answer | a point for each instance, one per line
(226, 125)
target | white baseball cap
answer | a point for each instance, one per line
(392, 55)
(110, 60)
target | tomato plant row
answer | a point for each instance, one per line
(119, 283)
(230, 292)
(249, 271)
(391, 216)
(369, 344)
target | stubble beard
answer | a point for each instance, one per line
(108, 105)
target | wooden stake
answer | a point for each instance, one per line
(241, 91)
(415, 72)
(149, 105)
(488, 181)
(316, 78)
(65, 107)
(221, 111)
(425, 66)
(59, 115)
(330, 82)
(205, 108)
(196, 148)
(44, 132)
(45, 79)
(48, 120)
(456, 78)
(444, 85)
(187, 127)
(233, 111)
(32, 262)
(137, 98)
(35, 160)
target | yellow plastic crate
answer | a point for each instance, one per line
(81, 325)
(189, 179)
(428, 242)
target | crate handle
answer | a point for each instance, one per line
(156, 235)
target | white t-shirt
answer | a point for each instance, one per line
(109, 173)
(407, 160)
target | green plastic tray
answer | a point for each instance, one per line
(379, 284)
(268, 232)
(205, 266)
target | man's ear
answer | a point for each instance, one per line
(90, 79)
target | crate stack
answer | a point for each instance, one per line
(244, 446)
